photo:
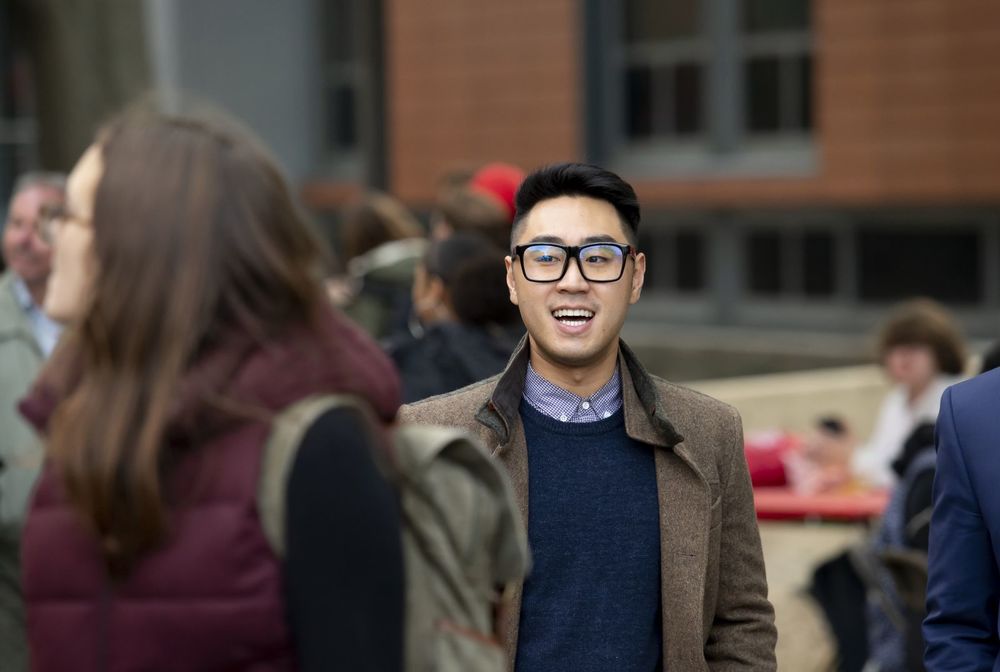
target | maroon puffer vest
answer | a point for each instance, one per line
(212, 597)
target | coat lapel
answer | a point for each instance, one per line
(685, 498)
(684, 523)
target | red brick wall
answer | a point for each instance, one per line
(907, 100)
(470, 81)
(908, 110)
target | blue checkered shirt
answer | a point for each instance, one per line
(555, 402)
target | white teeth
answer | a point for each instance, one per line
(565, 312)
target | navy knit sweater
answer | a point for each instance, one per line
(592, 601)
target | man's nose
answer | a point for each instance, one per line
(573, 279)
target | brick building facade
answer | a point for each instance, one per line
(889, 188)
(801, 163)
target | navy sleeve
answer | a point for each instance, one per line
(918, 502)
(343, 565)
(961, 625)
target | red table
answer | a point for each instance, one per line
(850, 505)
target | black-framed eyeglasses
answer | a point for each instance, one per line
(598, 262)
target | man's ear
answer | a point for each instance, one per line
(638, 277)
(437, 291)
(511, 287)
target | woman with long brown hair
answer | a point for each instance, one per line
(190, 288)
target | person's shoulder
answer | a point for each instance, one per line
(705, 422)
(681, 400)
(983, 387)
(981, 391)
(7, 279)
(13, 318)
(452, 408)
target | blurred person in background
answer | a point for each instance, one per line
(470, 325)
(27, 337)
(499, 181)
(462, 209)
(897, 553)
(381, 243)
(190, 287)
(922, 352)
(482, 202)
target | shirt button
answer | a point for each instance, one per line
(607, 414)
(563, 418)
(586, 405)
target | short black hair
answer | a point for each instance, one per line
(578, 179)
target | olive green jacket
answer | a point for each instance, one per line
(716, 615)
(20, 360)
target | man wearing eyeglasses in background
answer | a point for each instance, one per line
(27, 337)
(635, 491)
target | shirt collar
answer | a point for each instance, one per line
(555, 402)
(22, 294)
(45, 330)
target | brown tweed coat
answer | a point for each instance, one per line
(716, 615)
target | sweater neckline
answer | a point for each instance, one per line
(593, 428)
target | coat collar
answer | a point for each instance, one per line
(15, 324)
(645, 415)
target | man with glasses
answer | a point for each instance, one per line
(27, 337)
(635, 491)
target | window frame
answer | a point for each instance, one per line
(364, 73)
(728, 148)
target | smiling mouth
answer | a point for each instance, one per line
(573, 317)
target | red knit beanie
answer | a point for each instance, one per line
(499, 181)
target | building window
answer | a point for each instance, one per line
(342, 73)
(666, 61)
(701, 84)
(351, 82)
(896, 263)
(690, 259)
(790, 262)
(764, 262)
(777, 67)
(818, 264)
(676, 260)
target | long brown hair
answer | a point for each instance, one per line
(195, 236)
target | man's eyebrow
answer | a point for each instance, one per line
(547, 239)
(603, 238)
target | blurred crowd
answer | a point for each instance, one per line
(434, 296)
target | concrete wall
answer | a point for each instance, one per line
(794, 401)
(258, 59)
